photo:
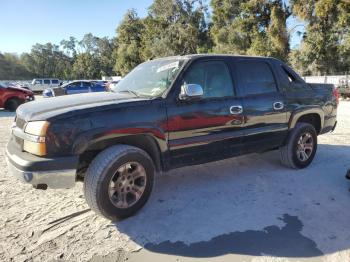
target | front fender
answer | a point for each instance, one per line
(96, 137)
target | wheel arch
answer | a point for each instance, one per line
(143, 141)
(313, 116)
(12, 97)
(7, 99)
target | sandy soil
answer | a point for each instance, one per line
(244, 209)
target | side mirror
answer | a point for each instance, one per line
(190, 91)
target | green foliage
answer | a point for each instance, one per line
(129, 43)
(254, 27)
(175, 28)
(90, 58)
(47, 61)
(86, 66)
(11, 68)
(325, 49)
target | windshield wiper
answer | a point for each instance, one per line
(130, 92)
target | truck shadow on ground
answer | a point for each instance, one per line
(283, 242)
(248, 205)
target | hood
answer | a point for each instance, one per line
(56, 106)
(18, 88)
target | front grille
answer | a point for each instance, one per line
(20, 122)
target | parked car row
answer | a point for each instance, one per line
(75, 87)
(13, 94)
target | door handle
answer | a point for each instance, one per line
(236, 110)
(278, 105)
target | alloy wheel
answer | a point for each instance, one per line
(127, 185)
(305, 147)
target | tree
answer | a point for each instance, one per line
(278, 37)
(105, 55)
(129, 43)
(326, 35)
(175, 28)
(86, 66)
(11, 68)
(69, 46)
(255, 27)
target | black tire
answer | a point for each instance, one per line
(12, 104)
(289, 155)
(101, 171)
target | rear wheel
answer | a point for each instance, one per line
(119, 181)
(12, 104)
(301, 146)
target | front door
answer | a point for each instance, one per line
(77, 88)
(209, 128)
(265, 123)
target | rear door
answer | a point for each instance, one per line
(97, 87)
(74, 88)
(54, 82)
(86, 87)
(210, 128)
(47, 83)
(265, 118)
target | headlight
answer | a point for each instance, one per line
(34, 141)
(37, 128)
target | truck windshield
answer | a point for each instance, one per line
(150, 79)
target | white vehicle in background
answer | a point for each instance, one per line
(40, 84)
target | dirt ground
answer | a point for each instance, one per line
(243, 209)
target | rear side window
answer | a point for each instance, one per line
(47, 82)
(86, 84)
(54, 82)
(256, 78)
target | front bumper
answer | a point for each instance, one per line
(58, 172)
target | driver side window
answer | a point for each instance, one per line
(213, 76)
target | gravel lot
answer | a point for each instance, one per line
(248, 208)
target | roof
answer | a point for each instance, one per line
(191, 56)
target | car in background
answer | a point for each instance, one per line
(13, 96)
(103, 83)
(344, 87)
(21, 84)
(40, 84)
(74, 87)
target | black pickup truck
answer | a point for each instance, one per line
(168, 113)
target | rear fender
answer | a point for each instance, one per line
(295, 116)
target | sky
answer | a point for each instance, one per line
(24, 23)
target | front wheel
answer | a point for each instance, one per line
(301, 146)
(119, 181)
(12, 104)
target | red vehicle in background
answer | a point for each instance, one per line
(12, 97)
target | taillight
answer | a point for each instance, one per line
(336, 94)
